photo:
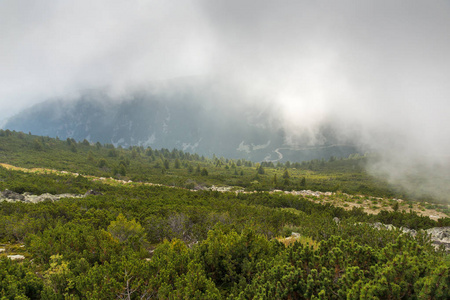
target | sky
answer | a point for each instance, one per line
(378, 71)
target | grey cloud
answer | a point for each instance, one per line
(51, 47)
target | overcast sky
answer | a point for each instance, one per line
(378, 69)
(372, 62)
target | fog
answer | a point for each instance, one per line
(377, 71)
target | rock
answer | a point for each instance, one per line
(295, 234)
(12, 195)
(2, 250)
(336, 220)
(389, 226)
(220, 188)
(440, 236)
(411, 232)
(59, 196)
(16, 257)
(377, 225)
(46, 196)
(439, 233)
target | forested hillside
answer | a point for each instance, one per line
(158, 229)
(182, 169)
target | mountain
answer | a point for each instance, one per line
(192, 116)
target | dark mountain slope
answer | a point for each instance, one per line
(183, 118)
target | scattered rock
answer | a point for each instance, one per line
(16, 257)
(378, 225)
(221, 188)
(7, 194)
(308, 193)
(11, 196)
(440, 236)
(411, 232)
(440, 233)
(2, 250)
(295, 236)
(41, 198)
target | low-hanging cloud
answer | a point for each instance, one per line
(51, 48)
(377, 71)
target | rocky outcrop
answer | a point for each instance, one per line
(409, 231)
(16, 257)
(220, 188)
(7, 194)
(440, 236)
(11, 196)
(379, 225)
(309, 193)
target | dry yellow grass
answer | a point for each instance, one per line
(304, 240)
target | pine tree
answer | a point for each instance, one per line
(177, 163)
(261, 170)
(166, 164)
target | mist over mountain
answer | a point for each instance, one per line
(178, 115)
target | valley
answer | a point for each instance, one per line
(210, 150)
(169, 224)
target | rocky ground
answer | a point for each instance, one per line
(440, 236)
(371, 205)
(10, 196)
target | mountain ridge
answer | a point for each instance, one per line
(182, 119)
